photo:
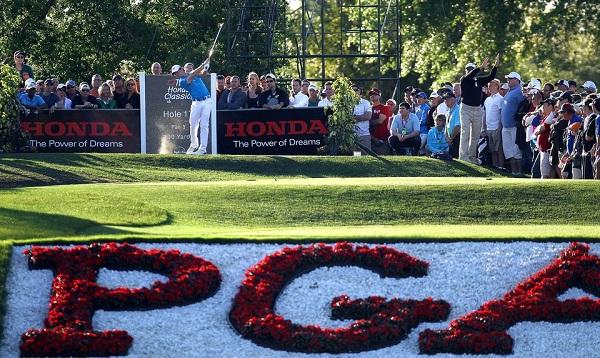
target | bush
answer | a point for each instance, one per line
(12, 139)
(342, 134)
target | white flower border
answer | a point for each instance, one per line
(465, 274)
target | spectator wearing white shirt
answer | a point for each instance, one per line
(492, 125)
(326, 95)
(362, 116)
(297, 98)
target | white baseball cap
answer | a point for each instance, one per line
(470, 65)
(505, 86)
(589, 85)
(513, 75)
(175, 69)
(535, 84)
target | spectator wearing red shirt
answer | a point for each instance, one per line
(380, 123)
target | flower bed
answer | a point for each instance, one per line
(76, 295)
(465, 275)
(379, 322)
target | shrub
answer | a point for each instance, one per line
(341, 123)
(12, 139)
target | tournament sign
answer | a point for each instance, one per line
(288, 131)
(84, 131)
(166, 109)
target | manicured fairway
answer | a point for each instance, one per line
(390, 208)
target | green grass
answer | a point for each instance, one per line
(158, 198)
(50, 169)
(391, 208)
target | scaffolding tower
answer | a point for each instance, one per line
(318, 38)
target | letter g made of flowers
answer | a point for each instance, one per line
(378, 322)
(76, 295)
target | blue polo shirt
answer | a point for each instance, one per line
(436, 141)
(196, 88)
(405, 127)
(421, 113)
(453, 119)
(36, 101)
(510, 106)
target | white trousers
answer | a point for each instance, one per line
(200, 118)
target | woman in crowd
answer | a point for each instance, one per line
(156, 69)
(543, 120)
(548, 89)
(131, 98)
(106, 100)
(254, 90)
(25, 71)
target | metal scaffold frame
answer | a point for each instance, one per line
(263, 35)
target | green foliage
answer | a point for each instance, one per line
(11, 136)
(74, 39)
(341, 123)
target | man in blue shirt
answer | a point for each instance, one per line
(405, 131)
(201, 105)
(421, 111)
(510, 106)
(437, 139)
(30, 100)
(452, 123)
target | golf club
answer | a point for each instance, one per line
(212, 49)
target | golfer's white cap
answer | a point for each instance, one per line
(175, 69)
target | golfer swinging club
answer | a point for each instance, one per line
(201, 105)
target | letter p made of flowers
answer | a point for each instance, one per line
(76, 295)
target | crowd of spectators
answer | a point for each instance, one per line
(52, 94)
(548, 130)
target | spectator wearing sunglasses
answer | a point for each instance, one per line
(25, 71)
(84, 100)
(273, 97)
(63, 101)
(131, 98)
(30, 101)
(71, 89)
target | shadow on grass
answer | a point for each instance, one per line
(48, 169)
(19, 224)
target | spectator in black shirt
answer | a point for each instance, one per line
(274, 97)
(471, 114)
(84, 100)
(131, 98)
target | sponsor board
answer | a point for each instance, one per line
(273, 132)
(84, 131)
(466, 276)
(167, 111)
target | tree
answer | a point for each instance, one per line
(12, 139)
